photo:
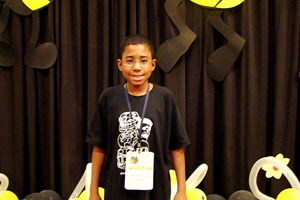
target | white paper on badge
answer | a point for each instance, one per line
(139, 170)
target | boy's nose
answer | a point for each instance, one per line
(137, 66)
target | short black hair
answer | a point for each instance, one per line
(136, 40)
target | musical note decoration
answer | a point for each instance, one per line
(220, 61)
(172, 49)
(42, 56)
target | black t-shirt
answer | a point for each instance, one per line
(115, 130)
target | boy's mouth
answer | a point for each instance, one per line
(137, 76)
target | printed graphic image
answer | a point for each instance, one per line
(129, 136)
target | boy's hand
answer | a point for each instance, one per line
(95, 196)
(180, 196)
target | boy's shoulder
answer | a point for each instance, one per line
(113, 91)
(161, 88)
(158, 89)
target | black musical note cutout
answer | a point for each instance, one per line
(220, 61)
(8, 55)
(172, 49)
(44, 55)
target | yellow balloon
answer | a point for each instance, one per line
(288, 194)
(195, 194)
(36, 4)
(172, 177)
(82, 196)
(8, 195)
(222, 5)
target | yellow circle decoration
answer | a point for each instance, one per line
(195, 194)
(8, 195)
(82, 196)
(36, 4)
(288, 194)
(222, 5)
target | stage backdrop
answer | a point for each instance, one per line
(251, 113)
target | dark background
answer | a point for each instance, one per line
(45, 113)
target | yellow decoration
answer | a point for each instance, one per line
(83, 194)
(172, 177)
(222, 5)
(195, 194)
(288, 194)
(192, 194)
(272, 171)
(36, 4)
(8, 195)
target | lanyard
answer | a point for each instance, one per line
(143, 114)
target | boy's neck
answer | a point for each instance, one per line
(138, 90)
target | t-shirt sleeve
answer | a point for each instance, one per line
(179, 137)
(96, 134)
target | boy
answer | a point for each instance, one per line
(137, 117)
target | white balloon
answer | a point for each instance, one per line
(288, 173)
(88, 180)
(4, 183)
(82, 183)
(193, 181)
(196, 177)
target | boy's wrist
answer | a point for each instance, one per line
(181, 187)
(93, 189)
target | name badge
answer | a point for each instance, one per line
(139, 170)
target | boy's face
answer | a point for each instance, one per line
(139, 56)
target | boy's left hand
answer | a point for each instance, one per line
(180, 196)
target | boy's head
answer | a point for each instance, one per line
(136, 40)
(136, 61)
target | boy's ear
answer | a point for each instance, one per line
(153, 64)
(120, 64)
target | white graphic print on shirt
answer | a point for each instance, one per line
(128, 137)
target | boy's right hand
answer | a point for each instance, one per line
(95, 196)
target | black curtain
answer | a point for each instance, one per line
(252, 113)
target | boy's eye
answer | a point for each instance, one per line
(144, 61)
(130, 61)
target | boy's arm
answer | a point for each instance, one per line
(179, 165)
(97, 162)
